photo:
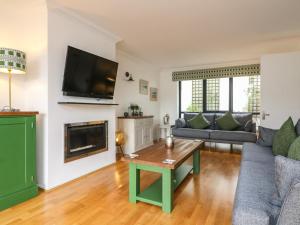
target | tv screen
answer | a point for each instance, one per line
(89, 75)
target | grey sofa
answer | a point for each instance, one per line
(245, 133)
(254, 198)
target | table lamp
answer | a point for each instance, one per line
(12, 62)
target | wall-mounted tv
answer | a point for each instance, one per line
(89, 75)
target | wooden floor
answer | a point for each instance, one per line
(101, 198)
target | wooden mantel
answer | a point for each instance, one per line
(21, 113)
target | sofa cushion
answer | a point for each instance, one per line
(289, 214)
(243, 119)
(265, 136)
(298, 128)
(180, 123)
(294, 150)
(257, 153)
(254, 191)
(237, 136)
(198, 122)
(227, 122)
(284, 138)
(191, 133)
(286, 170)
(209, 116)
(248, 126)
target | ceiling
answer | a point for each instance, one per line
(176, 33)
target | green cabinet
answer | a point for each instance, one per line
(17, 159)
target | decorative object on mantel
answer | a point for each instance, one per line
(166, 119)
(126, 114)
(128, 76)
(12, 61)
(120, 140)
(134, 110)
(144, 87)
(153, 94)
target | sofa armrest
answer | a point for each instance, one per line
(180, 123)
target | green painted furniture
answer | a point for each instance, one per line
(17, 157)
(161, 192)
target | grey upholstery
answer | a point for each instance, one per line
(242, 118)
(241, 136)
(180, 123)
(255, 189)
(286, 170)
(191, 133)
(256, 153)
(265, 137)
(258, 194)
(289, 214)
(212, 133)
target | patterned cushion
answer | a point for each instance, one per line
(294, 150)
(284, 138)
(227, 122)
(289, 214)
(266, 136)
(243, 119)
(198, 122)
(248, 126)
(286, 170)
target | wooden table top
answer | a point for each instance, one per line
(155, 154)
(20, 113)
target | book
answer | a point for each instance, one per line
(169, 161)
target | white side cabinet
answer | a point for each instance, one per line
(138, 132)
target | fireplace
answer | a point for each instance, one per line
(85, 139)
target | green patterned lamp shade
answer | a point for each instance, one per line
(12, 61)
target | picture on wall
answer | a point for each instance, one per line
(153, 94)
(144, 87)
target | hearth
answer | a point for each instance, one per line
(84, 139)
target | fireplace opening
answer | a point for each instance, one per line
(84, 139)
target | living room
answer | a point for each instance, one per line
(199, 103)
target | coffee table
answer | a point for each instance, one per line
(161, 191)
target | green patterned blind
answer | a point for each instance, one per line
(221, 72)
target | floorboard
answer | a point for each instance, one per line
(101, 198)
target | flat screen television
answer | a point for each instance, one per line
(89, 75)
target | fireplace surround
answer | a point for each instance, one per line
(84, 139)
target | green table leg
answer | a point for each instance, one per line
(134, 182)
(167, 190)
(196, 162)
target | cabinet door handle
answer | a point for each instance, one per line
(32, 125)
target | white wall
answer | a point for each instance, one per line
(169, 95)
(280, 74)
(66, 30)
(25, 28)
(128, 92)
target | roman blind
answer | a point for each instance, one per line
(221, 72)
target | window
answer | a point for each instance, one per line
(238, 94)
(246, 94)
(217, 94)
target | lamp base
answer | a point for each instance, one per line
(9, 109)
